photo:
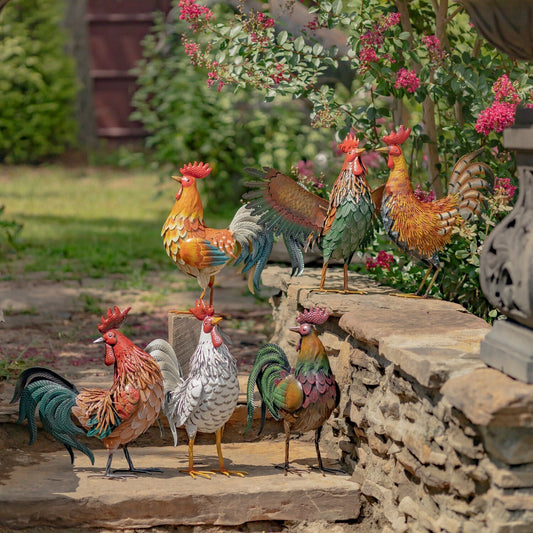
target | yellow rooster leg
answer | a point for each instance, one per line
(346, 290)
(211, 289)
(222, 468)
(416, 295)
(323, 275)
(431, 282)
(191, 471)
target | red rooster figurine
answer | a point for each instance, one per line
(419, 228)
(116, 416)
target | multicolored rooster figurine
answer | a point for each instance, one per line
(116, 416)
(202, 252)
(340, 227)
(419, 228)
(304, 397)
(206, 399)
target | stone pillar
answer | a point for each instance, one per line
(507, 266)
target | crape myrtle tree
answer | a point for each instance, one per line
(416, 62)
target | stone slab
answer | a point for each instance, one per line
(45, 490)
(433, 359)
(508, 347)
(490, 398)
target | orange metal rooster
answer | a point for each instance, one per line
(116, 416)
(340, 227)
(202, 252)
(419, 228)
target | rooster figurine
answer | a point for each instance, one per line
(116, 416)
(340, 227)
(422, 229)
(304, 397)
(206, 399)
(201, 252)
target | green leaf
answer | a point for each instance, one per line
(282, 37)
(299, 43)
(337, 7)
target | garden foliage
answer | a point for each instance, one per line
(187, 120)
(37, 82)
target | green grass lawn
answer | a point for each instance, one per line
(84, 222)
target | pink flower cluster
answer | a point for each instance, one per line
(264, 21)
(503, 186)
(501, 114)
(305, 168)
(383, 260)
(280, 74)
(423, 196)
(432, 43)
(374, 38)
(194, 14)
(408, 80)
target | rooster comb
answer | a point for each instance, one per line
(196, 170)
(398, 137)
(201, 310)
(350, 142)
(113, 319)
(315, 315)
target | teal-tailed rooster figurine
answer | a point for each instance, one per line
(116, 416)
(304, 397)
(340, 227)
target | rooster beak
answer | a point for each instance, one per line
(296, 329)
(177, 178)
(383, 149)
(360, 151)
(98, 340)
(216, 320)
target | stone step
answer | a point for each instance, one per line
(44, 490)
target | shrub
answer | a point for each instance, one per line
(187, 120)
(37, 83)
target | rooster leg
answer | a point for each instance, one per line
(210, 285)
(222, 468)
(318, 432)
(286, 467)
(132, 468)
(416, 294)
(424, 280)
(323, 275)
(191, 471)
(108, 473)
(431, 282)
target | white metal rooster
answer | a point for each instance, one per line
(205, 400)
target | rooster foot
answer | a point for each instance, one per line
(325, 470)
(404, 295)
(112, 475)
(291, 470)
(343, 291)
(193, 473)
(134, 471)
(232, 472)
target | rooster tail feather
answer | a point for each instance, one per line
(255, 240)
(55, 396)
(294, 247)
(269, 364)
(165, 357)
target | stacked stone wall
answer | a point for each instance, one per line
(437, 441)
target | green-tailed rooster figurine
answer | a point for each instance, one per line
(304, 397)
(340, 227)
(116, 416)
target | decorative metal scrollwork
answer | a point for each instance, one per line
(506, 271)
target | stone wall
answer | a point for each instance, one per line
(437, 440)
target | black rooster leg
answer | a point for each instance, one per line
(286, 468)
(318, 432)
(131, 467)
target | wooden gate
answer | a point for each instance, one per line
(115, 31)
